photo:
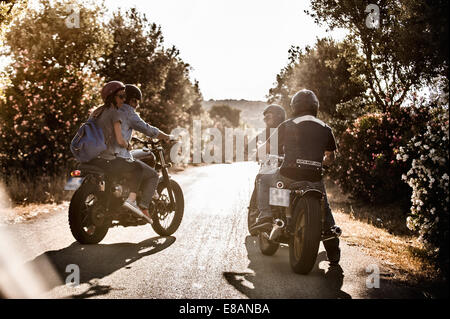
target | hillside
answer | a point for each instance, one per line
(251, 111)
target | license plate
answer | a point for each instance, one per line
(73, 183)
(279, 197)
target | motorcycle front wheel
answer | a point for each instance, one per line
(304, 244)
(86, 220)
(166, 217)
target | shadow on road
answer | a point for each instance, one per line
(98, 261)
(273, 277)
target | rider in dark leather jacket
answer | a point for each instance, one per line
(304, 140)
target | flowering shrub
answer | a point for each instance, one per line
(44, 107)
(429, 179)
(366, 165)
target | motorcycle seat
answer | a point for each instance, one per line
(86, 168)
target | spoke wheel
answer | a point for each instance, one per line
(86, 219)
(167, 216)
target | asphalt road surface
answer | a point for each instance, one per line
(210, 256)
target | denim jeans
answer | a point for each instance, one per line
(149, 184)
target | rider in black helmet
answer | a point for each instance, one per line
(274, 115)
(305, 141)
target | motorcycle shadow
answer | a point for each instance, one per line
(273, 277)
(97, 261)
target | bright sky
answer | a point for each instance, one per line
(236, 47)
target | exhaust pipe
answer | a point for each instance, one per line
(335, 232)
(137, 212)
(276, 230)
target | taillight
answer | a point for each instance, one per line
(75, 173)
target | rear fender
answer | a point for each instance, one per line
(303, 188)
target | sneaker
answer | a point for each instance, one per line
(264, 224)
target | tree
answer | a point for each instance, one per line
(52, 87)
(139, 57)
(224, 111)
(9, 9)
(401, 54)
(323, 69)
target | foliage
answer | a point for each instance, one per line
(386, 62)
(8, 10)
(428, 178)
(138, 57)
(323, 69)
(52, 88)
(366, 164)
(223, 111)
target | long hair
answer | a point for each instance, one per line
(109, 102)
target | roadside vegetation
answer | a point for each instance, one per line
(386, 102)
(388, 107)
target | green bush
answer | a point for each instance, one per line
(429, 180)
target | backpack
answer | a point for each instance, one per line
(88, 143)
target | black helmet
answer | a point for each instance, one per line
(277, 110)
(305, 102)
(133, 92)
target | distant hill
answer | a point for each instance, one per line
(251, 111)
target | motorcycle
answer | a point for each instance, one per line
(299, 214)
(97, 202)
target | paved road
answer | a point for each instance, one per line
(210, 256)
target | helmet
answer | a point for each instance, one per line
(133, 92)
(305, 101)
(277, 110)
(111, 88)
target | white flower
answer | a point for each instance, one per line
(409, 223)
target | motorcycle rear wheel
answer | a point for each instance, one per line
(252, 214)
(304, 244)
(83, 229)
(166, 222)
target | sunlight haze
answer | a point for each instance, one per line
(236, 48)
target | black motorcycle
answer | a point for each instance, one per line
(299, 215)
(97, 202)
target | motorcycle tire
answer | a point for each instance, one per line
(252, 214)
(304, 244)
(81, 226)
(159, 217)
